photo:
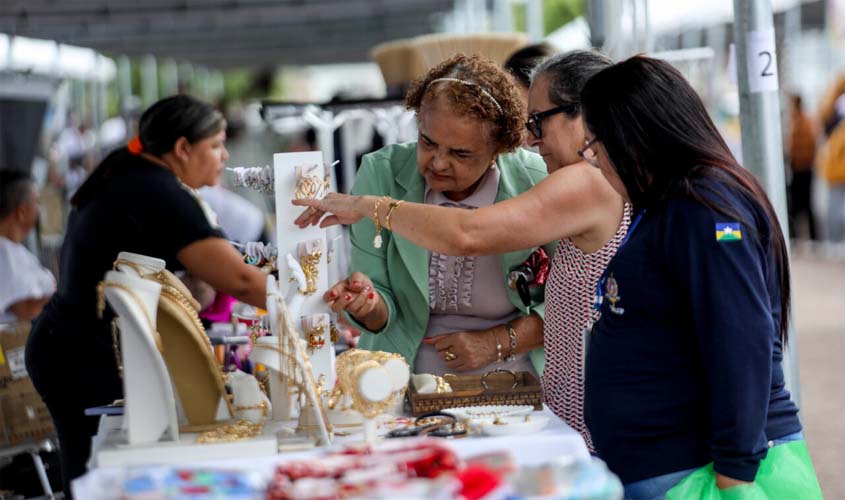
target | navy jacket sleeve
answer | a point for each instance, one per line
(726, 282)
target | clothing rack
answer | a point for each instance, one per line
(387, 117)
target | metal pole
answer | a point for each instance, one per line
(762, 141)
(648, 43)
(502, 16)
(169, 77)
(596, 13)
(149, 80)
(635, 27)
(124, 82)
(534, 19)
(42, 474)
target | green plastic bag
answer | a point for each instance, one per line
(786, 473)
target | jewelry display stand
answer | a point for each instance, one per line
(150, 410)
(186, 348)
(148, 432)
(266, 349)
(293, 385)
(308, 257)
(369, 382)
(303, 175)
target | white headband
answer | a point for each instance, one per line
(471, 84)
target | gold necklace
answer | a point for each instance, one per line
(182, 302)
(176, 296)
(157, 275)
(101, 306)
(231, 432)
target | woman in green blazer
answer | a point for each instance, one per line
(446, 313)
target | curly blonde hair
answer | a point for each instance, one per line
(486, 79)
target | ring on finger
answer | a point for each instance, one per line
(449, 355)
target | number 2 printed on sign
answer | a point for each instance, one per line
(762, 60)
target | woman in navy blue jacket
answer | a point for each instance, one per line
(684, 366)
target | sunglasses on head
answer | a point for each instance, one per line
(535, 121)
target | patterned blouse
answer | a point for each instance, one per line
(570, 292)
(467, 293)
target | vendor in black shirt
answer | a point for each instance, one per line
(683, 367)
(140, 199)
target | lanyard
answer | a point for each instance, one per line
(600, 287)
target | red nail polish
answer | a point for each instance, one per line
(332, 294)
(371, 296)
(347, 297)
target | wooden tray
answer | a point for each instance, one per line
(468, 390)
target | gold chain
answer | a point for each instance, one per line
(178, 297)
(175, 295)
(261, 406)
(231, 432)
(101, 306)
(157, 275)
(377, 239)
(115, 347)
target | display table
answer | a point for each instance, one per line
(555, 440)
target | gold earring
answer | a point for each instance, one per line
(315, 327)
(310, 254)
(309, 184)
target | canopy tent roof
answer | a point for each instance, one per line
(226, 33)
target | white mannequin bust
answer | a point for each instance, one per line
(150, 412)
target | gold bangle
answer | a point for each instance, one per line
(377, 241)
(393, 206)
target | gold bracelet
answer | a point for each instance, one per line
(512, 340)
(377, 241)
(393, 206)
(498, 349)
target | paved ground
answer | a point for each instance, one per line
(819, 300)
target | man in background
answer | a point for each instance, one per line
(25, 285)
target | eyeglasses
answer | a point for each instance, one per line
(587, 152)
(535, 121)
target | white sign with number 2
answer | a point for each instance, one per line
(762, 60)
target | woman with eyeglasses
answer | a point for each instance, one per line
(685, 394)
(446, 312)
(574, 204)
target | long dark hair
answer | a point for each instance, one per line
(663, 143)
(161, 125)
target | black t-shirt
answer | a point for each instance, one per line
(141, 208)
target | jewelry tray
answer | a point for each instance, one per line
(468, 390)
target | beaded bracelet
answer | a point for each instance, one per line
(498, 351)
(512, 340)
